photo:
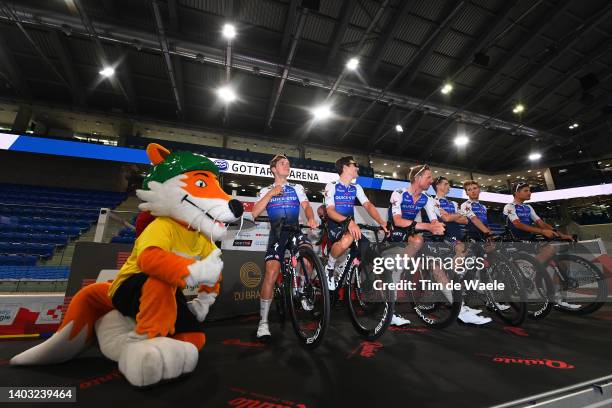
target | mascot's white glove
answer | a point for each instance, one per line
(200, 305)
(206, 271)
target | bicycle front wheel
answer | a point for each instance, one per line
(307, 298)
(370, 311)
(585, 287)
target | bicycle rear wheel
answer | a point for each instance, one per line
(538, 286)
(434, 307)
(510, 303)
(307, 298)
(585, 286)
(370, 311)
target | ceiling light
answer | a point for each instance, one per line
(447, 88)
(461, 141)
(371, 162)
(229, 31)
(384, 164)
(399, 128)
(227, 94)
(398, 166)
(321, 112)
(107, 72)
(509, 175)
(352, 64)
(535, 156)
(519, 108)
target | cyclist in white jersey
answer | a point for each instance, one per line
(524, 224)
(478, 226)
(448, 211)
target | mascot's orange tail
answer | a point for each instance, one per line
(77, 328)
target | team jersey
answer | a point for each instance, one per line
(286, 205)
(342, 197)
(403, 204)
(453, 229)
(522, 212)
(474, 209)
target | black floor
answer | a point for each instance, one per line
(413, 367)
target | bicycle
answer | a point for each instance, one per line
(510, 303)
(569, 272)
(370, 311)
(302, 294)
(431, 304)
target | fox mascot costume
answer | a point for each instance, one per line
(142, 319)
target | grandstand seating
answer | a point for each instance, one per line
(33, 278)
(35, 220)
(240, 155)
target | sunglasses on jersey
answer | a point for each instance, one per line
(425, 167)
(438, 180)
(520, 185)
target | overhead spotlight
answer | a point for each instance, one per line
(447, 88)
(399, 128)
(229, 31)
(535, 156)
(518, 108)
(371, 162)
(461, 141)
(227, 94)
(398, 166)
(574, 125)
(321, 112)
(384, 164)
(352, 64)
(107, 72)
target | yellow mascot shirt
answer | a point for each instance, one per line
(169, 235)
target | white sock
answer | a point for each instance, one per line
(264, 309)
(331, 262)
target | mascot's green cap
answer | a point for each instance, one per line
(167, 165)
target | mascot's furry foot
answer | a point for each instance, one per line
(143, 361)
(150, 361)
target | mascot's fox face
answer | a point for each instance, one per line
(193, 197)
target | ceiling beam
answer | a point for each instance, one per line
(407, 65)
(60, 43)
(346, 12)
(163, 42)
(450, 12)
(10, 71)
(552, 53)
(280, 82)
(489, 82)
(384, 40)
(292, 10)
(602, 50)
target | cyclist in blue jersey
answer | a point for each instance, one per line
(448, 211)
(340, 202)
(476, 213)
(524, 224)
(521, 217)
(281, 200)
